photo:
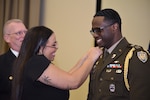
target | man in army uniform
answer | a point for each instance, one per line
(13, 34)
(122, 72)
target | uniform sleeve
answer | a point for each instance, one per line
(139, 72)
(36, 66)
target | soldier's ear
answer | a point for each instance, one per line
(115, 26)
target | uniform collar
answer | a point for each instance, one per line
(113, 46)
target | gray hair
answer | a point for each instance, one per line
(9, 22)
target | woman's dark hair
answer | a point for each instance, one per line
(110, 15)
(33, 40)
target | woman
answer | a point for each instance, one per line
(37, 78)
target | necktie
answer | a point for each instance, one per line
(106, 53)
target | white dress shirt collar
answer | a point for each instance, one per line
(14, 52)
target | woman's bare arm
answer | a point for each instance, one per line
(56, 77)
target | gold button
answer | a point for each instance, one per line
(112, 78)
(10, 77)
(101, 79)
(99, 90)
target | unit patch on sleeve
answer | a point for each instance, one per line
(142, 56)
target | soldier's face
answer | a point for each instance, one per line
(102, 32)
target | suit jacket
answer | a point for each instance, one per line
(107, 78)
(6, 63)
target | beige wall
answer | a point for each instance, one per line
(135, 19)
(71, 21)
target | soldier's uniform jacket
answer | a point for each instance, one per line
(6, 63)
(107, 77)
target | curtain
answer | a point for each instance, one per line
(26, 10)
(149, 47)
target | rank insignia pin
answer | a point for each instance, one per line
(113, 56)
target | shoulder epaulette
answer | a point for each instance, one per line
(136, 46)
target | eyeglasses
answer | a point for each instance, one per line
(99, 30)
(53, 46)
(19, 33)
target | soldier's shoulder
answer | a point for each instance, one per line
(141, 53)
(137, 47)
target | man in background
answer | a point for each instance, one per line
(13, 33)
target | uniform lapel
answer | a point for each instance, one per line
(114, 55)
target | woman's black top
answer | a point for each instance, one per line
(34, 89)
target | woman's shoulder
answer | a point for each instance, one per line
(38, 59)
